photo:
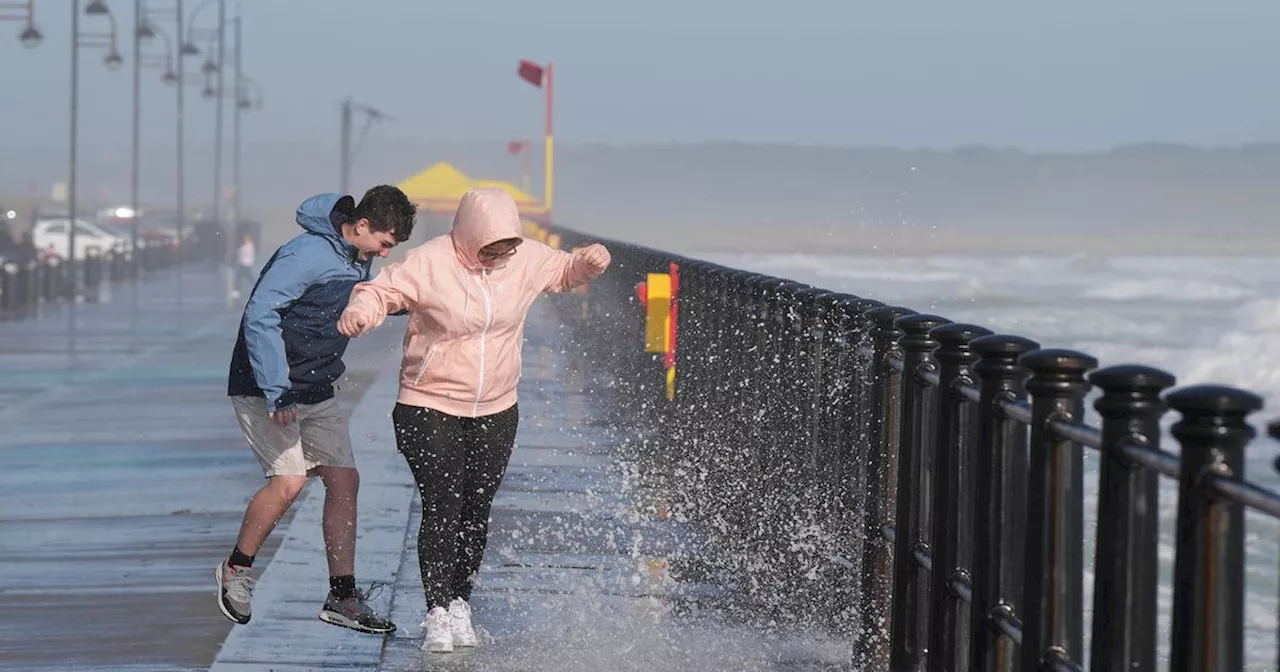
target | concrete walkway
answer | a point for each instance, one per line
(123, 477)
(576, 576)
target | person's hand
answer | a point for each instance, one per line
(285, 417)
(353, 323)
(596, 257)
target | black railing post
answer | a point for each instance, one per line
(29, 289)
(1000, 494)
(35, 289)
(8, 289)
(1054, 592)
(912, 522)
(873, 644)
(1208, 601)
(1273, 430)
(952, 537)
(1126, 565)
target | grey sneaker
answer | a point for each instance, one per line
(235, 591)
(355, 613)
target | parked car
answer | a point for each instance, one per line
(50, 237)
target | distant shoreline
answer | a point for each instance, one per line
(871, 244)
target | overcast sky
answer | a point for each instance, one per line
(1079, 75)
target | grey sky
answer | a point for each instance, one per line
(1078, 75)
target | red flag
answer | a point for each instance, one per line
(531, 72)
(516, 146)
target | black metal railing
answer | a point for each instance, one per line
(921, 482)
(27, 286)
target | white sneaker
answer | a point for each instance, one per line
(463, 633)
(439, 627)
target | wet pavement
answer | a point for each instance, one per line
(123, 477)
(576, 576)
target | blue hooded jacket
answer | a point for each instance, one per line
(289, 349)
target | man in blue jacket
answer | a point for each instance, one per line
(286, 359)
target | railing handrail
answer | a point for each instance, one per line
(935, 405)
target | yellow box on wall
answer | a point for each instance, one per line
(657, 326)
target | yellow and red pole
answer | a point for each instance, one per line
(551, 143)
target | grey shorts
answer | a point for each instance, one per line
(320, 437)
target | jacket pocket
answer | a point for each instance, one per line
(426, 360)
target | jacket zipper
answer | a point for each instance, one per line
(488, 321)
(431, 352)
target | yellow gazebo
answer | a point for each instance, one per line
(439, 188)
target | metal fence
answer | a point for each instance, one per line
(926, 478)
(27, 286)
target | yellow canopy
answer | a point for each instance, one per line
(440, 188)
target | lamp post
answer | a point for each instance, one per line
(347, 156)
(144, 31)
(30, 35)
(212, 68)
(112, 61)
(247, 96)
(541, 77)
(174, 74)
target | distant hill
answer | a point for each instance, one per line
(1155, 198)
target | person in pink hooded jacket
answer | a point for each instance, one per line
(467, 294)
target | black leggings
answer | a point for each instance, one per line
(458, 464)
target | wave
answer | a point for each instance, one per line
(1176, 289)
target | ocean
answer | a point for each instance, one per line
(1205, 320)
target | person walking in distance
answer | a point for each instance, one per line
(246, 257)
(287, 356)
(468, 293)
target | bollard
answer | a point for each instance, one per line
(35, 289)
(1126, 565)
(8, 290)
(21, 290)
(29, 288)
(1208, 607)
(92, 274)
(952, 534)
(912, 522)
(1053, 630)
(1000, 496)
(874, 642)
(55, 280)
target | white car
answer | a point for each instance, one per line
(50, 237)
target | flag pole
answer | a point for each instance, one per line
(550, 167)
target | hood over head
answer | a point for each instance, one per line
(484, 217)
(324, 214)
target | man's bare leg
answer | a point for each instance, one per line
(341, 486)
(235, 574)
(266, 509)
(346, 606)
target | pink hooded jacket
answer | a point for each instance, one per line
(466, 324)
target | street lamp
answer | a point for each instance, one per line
(247, 96)
(78, 40)
(175, 75)
(144, 31)
(30, 36)
(346, 156)
(211, 68)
